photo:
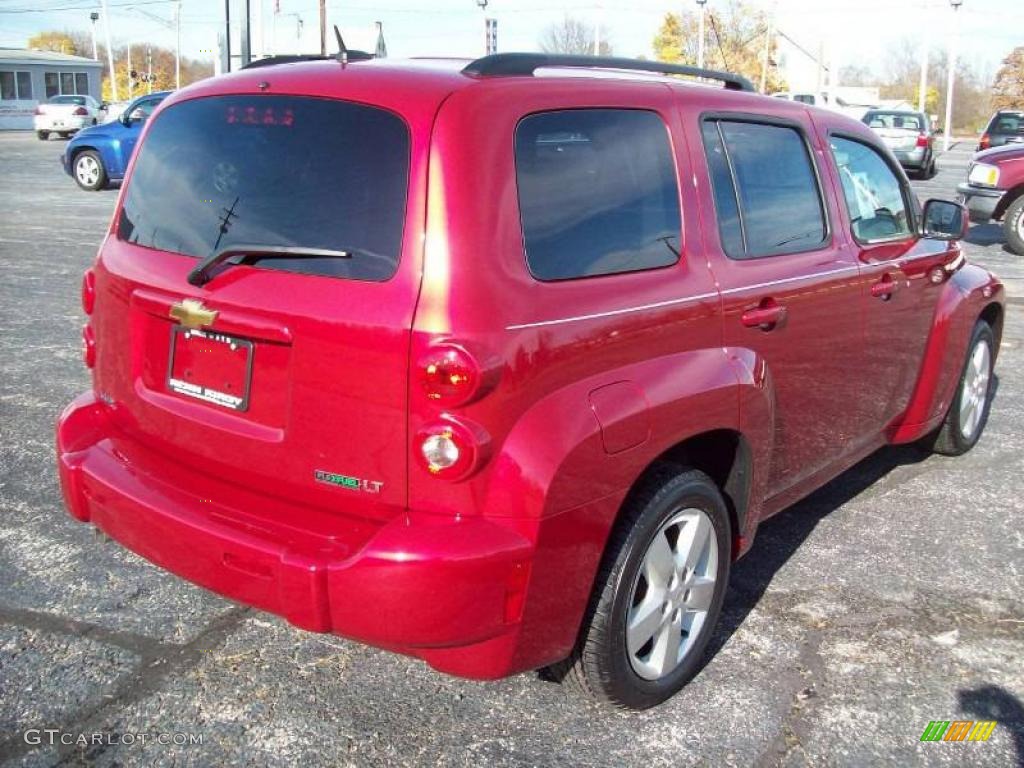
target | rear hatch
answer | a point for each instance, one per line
(897, 131)
(60, 113)
(285, 372)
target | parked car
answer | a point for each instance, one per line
(994, 191)
(825, 100)
(1005, 127)
(64, 115)
(527, 408)
(100, 154)
(910, 137)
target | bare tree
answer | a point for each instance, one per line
(573, 36)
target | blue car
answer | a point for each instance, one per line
(98, 155)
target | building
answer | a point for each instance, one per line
(29, 77)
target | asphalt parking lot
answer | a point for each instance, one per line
(892, 597)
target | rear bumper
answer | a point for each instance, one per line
(450, 591)
(981, 202)
(911, 158)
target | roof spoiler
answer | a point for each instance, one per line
(506, 64)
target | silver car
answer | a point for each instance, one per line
(909, 136)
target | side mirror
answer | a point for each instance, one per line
(104, 105)
(124, 119)
(944, 220)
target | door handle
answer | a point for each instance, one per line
(884, 288)
(766, 316)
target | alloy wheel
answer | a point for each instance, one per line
(87, 170)
(974, 393)
(672, 594)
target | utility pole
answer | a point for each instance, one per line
(922, 88)
(951, 65)
(110, 51)
(227, 35)
(131, 73)
(94, 17)
(323, 27)
(149, 69)
(246, 41)
(177, 47)
(766, 53)
(701, 34)
(598, 15)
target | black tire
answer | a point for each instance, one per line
(600, 665)
(949, 439)
(1013, 226)
(90, 182)
(64, 134)
(43, 135)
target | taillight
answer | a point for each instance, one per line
(922, 140)
(451, 449)
(985, 142)
(82, 111)
(88, 291)
(88, 346)
(449, 374)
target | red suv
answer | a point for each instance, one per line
(503, 370)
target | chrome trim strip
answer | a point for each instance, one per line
(613, 312)
(810, 276)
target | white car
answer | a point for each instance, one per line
(64, 115)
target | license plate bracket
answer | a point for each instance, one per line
(211, 367)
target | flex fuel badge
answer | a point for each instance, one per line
(345, 481)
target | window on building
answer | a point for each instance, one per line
(51, 83)
(15, 86)
(81, 83)
(67, 82)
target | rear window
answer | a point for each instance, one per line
(273, 171)
(597, 192)
(79, 100)
(1007, 122)
(897, 120)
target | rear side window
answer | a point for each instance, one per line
(767, 196)
(597, 192)
(270, 171)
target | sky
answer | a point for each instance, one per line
(851, 31)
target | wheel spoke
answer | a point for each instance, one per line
(644, 622)
(693, 540)
(665, 655)
(701, 591)
(658, 564)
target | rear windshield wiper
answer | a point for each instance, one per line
(201, 274)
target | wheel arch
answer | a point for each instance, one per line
(726, 457)
(1008, 199)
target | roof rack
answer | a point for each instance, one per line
(292, 58)
(498, 64)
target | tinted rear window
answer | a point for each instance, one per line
(597, 192)
(273, 171)
(79, 100)
(1007, 122)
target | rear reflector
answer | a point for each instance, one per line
(88, 346)
(88, 291)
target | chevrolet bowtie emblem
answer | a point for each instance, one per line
(192, 313)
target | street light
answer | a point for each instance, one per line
(951, 65)
(94, 17)
(700, 41)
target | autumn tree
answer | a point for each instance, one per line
(1008, 88)
(573, 36)
(59, 42)
(735, 39)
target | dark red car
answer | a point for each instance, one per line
(503, 371)
(994, 191)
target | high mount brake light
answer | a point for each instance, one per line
(449, 374)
